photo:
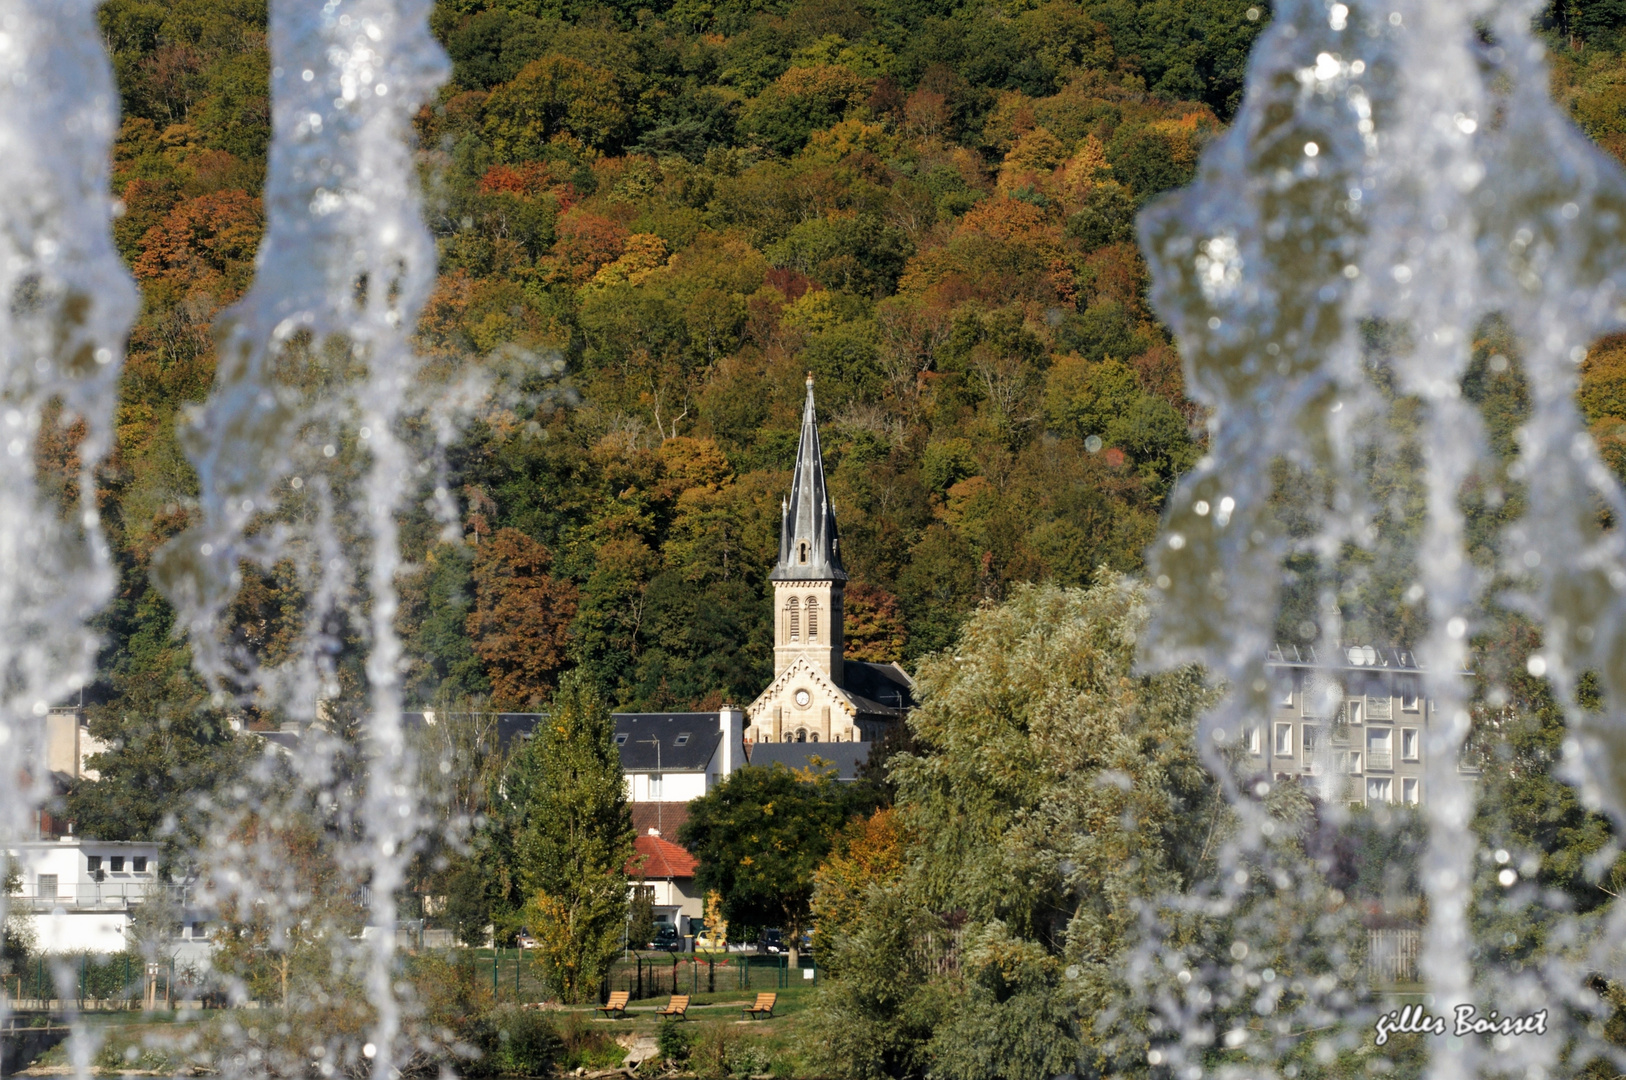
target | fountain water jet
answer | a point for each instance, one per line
(318, 354)
(1397, 168)
(68, 303)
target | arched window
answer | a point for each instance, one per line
(802, 551)
(793, 617)
(801, 734)
(812, 618)
(813, 736)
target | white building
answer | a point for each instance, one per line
(678, 757)
(1350, 722)
(81, 893)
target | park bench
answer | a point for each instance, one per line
(617, 1004)
(678, 1007)
(762, 1007)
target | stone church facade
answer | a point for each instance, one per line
(817, 695)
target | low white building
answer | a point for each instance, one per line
(81, 893)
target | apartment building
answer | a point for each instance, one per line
(1348, 722)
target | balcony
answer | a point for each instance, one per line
(1380, 759)
(97, 896)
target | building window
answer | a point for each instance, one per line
(657, 787)
(1287, 694)
(1380, 749)
(801, 550)
(812, 736)
(1312, 740)
(1352, 762)
(46, 888)
(1356, 709)
(116, 864)
(681, 740)
(138, 864)
(812, 618)
(1284, 740)
(1408, 790)
(1410, 699)
(1408, 744)
(1252, 740)
(801, 734)
(1379, 790)
(621, 738)
(793, 612)
(93, 862)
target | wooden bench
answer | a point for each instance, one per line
(617, 1004)
(678, 1007)
(763, 1006)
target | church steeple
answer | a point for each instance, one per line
(809, 545)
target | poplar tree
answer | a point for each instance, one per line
(572, 836)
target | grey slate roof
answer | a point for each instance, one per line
(807, 517)
(845, 756)
(510, 725)
(633, 732)
(883, 685)
(1346, 658)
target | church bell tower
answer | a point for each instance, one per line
(808, 580)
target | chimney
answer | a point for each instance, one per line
(731, 720)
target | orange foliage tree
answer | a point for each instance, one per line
(520, 618)
(206, 243)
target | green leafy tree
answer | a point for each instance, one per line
(760, 835)
(1050, 792)
(17, 934)
(166, 744)
(571, 834)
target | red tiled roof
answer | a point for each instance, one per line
(668, 817)
(660, 858)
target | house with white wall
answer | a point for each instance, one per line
(678, 757)
(82, 893)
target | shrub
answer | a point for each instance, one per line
(524, 1042)
(673, 1042)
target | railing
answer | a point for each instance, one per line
(1380, 759)
(1379, 708)
(97, 896)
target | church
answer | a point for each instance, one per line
(817, 695)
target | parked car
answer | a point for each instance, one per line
(524, 939)
(771, 942)
(708, 941)
(666, 937)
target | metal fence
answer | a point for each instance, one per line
(1391, 955)
(90, 983)
(660, 974)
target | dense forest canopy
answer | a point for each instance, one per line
(653, 221)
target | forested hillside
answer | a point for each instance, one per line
(662, 217)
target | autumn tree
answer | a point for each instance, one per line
(521, 616)
(550, 97)
(205, 244)
(872, 624)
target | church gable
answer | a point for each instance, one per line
(803, 705)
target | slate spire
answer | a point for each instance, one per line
(809, 545)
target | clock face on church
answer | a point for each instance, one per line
(802, 699)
